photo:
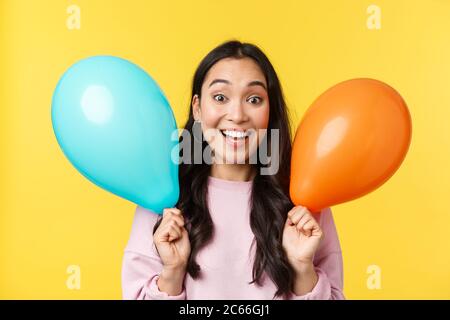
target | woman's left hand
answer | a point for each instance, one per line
(301, 236)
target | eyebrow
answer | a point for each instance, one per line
(250, 84)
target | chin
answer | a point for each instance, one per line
(232, 158)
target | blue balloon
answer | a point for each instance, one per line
(116, 127)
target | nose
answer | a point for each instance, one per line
(236, 112)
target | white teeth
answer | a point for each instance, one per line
(236, 134)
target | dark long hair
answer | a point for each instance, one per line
(270, 200)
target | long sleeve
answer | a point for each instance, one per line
(328, 264)
(141, 264)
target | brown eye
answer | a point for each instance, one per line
(255, 100)
(219, 98)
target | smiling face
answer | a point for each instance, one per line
(233, 108)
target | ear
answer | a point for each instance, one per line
(196, 111)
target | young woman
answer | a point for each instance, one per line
(234, 233)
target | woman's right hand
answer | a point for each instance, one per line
(172, 240)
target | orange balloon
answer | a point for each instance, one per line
(350, 141)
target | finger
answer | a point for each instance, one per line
(301, 224)
(165, 233)
(289, 222)
(174, 233)
(288, 217)
(298, 214)
(309, 227)
(314, 227)
(170, 215)
(171, 211)
(170, 222)
(179, 220)
(294, 210)
(173, 222)
(305, 218)
(166, 212)
(175, 211)
(291, 212)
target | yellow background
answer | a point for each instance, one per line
(52, 217)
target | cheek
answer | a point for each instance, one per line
(260, 117)
(210, 121)
(211, 117)
(260, 120)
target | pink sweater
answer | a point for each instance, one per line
(225, 262)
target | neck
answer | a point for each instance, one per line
(233, 172)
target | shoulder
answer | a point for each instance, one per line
(141, 235)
